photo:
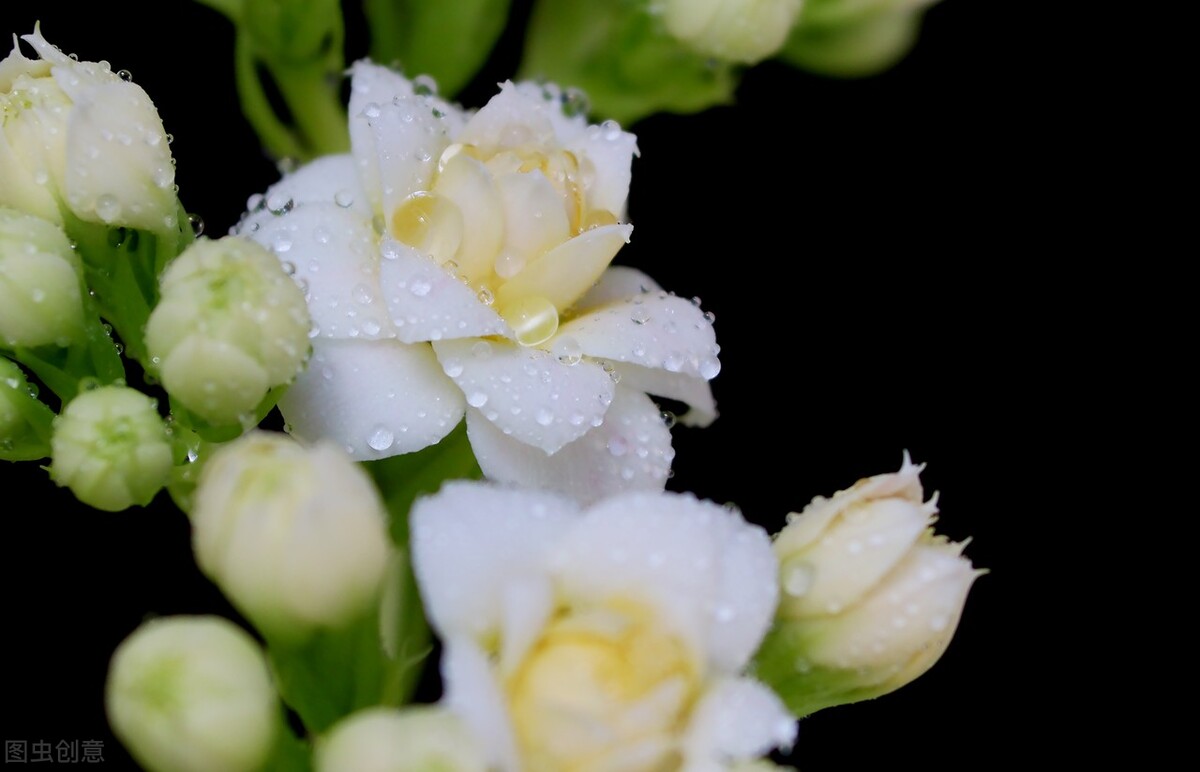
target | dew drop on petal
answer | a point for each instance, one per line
(344, 199)
(452, 366)
(567, 350)
(639, 315)
(381, 439)
(477, 399)
(420, 288)
(544, 417)
(710, 367)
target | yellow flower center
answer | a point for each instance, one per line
(512, 222)
(604, 688)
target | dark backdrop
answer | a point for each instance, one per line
(859, 252)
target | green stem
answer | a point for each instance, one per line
(312, 96)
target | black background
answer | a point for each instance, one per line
(860, 250)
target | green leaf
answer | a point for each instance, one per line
(447, 40)
(26, 424)
(622, 57)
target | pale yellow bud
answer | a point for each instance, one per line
(41, 301)
(76, 135)
(296, 537)
(871, 597)
(192, 694)
(745, 31)
(230, 326)
(110, 447)
(417, 739)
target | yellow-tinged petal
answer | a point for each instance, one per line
(566, 272)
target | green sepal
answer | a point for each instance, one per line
(622, 57)
(25, 422)
(216, 433)
(449, 41)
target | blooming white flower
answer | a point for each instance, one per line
(77, 136)
(609, 638)
(459, 262)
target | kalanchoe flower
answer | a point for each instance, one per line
(745, 31)
(192, 693)
(459, 262)
(77, 137)
(610, 638)
(110, 447)
(295, 537)
(230, 326)
(40, 287)
(390, 740)
(871, 597)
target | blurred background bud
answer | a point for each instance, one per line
(390, 740)
(192, 693)
(743, 31)
(110, 447)
(854, 38)
(230, 326)
(870, 596)
(41, 300)
(296, 537)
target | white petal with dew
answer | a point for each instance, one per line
(425, 302)
(618, 283)
(690, 390)
(331, 254)
(509, 120)
(377, 398)
(528, 393)
(737, 719)
(610, 152)
(473, 694)
(466, 182)
(654, 330)
(630, 451)
(408, 138)
(331, 179)
(567, 271)
(470, 541)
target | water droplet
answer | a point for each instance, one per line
(424, 85)
(108, 208)
(485, 296)
(568, 350)
(533, 318)
(639, 315)
(709, 368)
(544, 417)
(611, 129)
(710, 317)
(344, 199)
(197, 224)
(617, 446)
(281, 242)
(668, 418)
(452, 366)
(477, 399)
(362, 294)
(673, 362)
(574, 102)
(481, 350)
(371, 110)
(125, 75)
(381, 439)
(279, 204)
(420, 287)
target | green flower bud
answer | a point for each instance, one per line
(419, 739)
(871, 597)
(296, 537)
(110, 447)
(41, 302)
(192, 694)
(745, 31)
(230, 326)
(77, 136)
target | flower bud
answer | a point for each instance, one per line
(25, 422)
(192, 693)
(41, 302)
(230, 326)
(745, 31)
(79, 135)
(296, 537)
(388, 740)
(871, 597)
(110, 447)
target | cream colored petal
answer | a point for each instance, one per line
(616, 284)
(528, 393)
(331, 252)
(510, 119)
(408, 139)
(630, 451)
(690, 390)
(535, 220)
(467, 183)
(473, 694)
(471, 542)
(426, 303)
(658, 331)
(609, 152)
(377, 398)
(737, 719)
(566, 272)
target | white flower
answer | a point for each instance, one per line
(79, 136)
(458, 263)
(610, 638)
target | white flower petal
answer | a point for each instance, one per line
(692, 391)
(471, 541)
(527, 604)
(711, 575)
(738, 718)
(466, 182)
(528, 393)
(473, 694)
(611, 153)
(546, 99)
(331, 179)
(630, 451)
(331, 253)
(655, 330)
(371, 82)
(617, 283)
(401, 145)
(511, 119)
(563, 274)
(377, 398)
(426, 302)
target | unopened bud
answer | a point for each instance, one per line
(230, 326)
(296, 537)
(192, 693)
(408, 740)
(40, 297)
(110, 447)
(744, 31)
